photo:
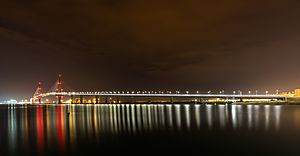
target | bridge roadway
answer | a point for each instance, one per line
(179, 95)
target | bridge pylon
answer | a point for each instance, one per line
(37, 94)
(59, 89)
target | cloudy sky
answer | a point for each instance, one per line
(144, 45)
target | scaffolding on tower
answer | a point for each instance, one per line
(37, 96)
(59, 89)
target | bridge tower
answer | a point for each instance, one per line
(58, 89)
(37, 94)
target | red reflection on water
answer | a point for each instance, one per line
(40, 129)
(59, 114)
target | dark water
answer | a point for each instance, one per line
(150, 129)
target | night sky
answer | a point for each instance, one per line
(149, 45)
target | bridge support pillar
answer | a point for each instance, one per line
(59, 100)
(106, 100)
(81, 99)
(97, 99)
(72, 99)
(286, 99)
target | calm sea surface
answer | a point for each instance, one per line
(139, 129)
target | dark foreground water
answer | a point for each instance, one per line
(145, 129)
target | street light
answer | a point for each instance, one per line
(240, 92)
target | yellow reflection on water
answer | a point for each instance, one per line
(64, 125)
(12, 129)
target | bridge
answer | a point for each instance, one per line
(143, 96)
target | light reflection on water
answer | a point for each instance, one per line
(63, 127)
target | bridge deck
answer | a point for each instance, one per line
(264, 96)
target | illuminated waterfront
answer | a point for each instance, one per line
(77, 129)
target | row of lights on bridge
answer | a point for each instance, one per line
(168, 92)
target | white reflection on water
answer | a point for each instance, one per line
(138, 117)
(170, 115)
(250, 116)
(209, 115)
(234, 116)
(123, 122)
(239, 116)
(133, 120)
(178, 116)
(144, 116)
(222, 115)
(25, 128)
(57, 125)
(187, 116)
(197, 116)
(256, 113)
(127, 110)
(267, 116)
(277, 117)
(89, 120)
(12, 130)
(119, 120)
(155, 114)
(161, 116)
(117, 128)
(149, 116)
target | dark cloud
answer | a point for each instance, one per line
(133, 44)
